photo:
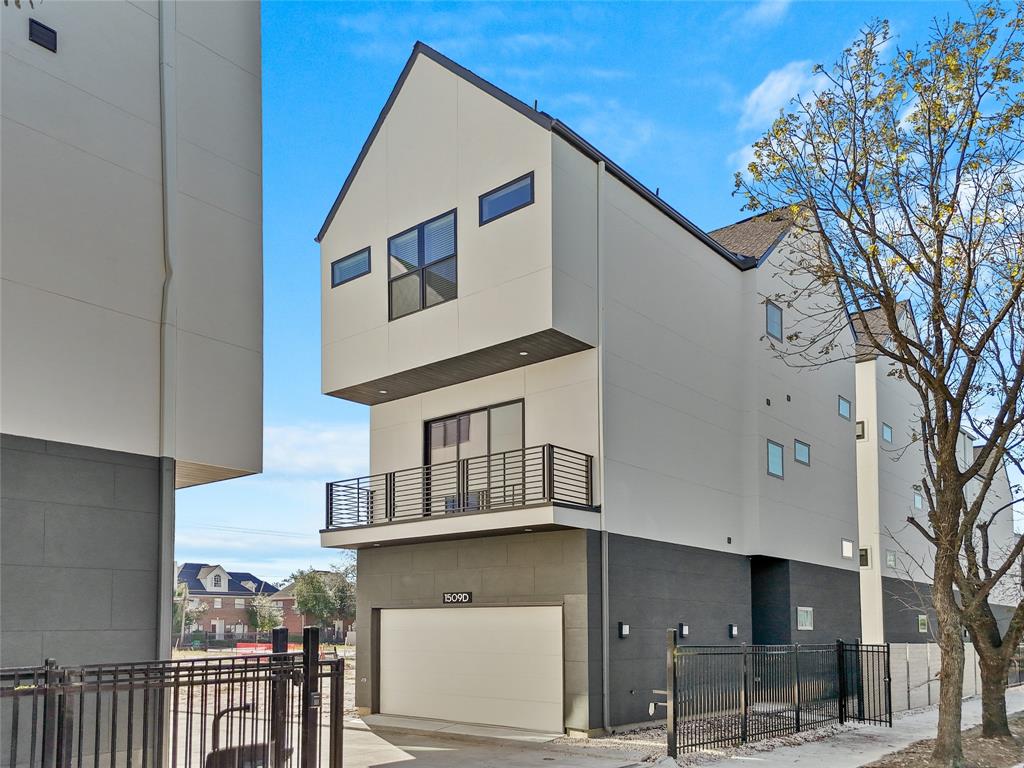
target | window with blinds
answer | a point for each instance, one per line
(349, 268)
(422, 266)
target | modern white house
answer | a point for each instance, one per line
(896, 560)
(130, 307)
(579, 433)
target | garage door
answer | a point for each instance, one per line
(497, 666)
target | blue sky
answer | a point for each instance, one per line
(674, 92)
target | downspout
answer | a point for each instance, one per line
(168, 322)
(605, 619)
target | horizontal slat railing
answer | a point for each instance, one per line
(507, 480)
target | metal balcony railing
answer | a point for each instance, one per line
(543, 474)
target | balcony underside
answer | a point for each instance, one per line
(544, 345)
(462, 525)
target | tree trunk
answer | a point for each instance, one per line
(994, 724)
(948, 751)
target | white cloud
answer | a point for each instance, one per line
(762, 105)
(741, 158)
(619, 131)
(766, 12)
(327, 452)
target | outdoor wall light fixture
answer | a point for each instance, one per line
(524, 353)
(382, 391)
(684, 630)
(734, 631)
(623, 630)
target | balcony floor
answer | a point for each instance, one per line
(462, 525)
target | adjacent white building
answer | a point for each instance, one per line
(131, 318)
(579, 433)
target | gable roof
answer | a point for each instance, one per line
(544, 120)
(191, 573)
(754, 237)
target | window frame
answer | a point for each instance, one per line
(421, 266)
(842, 548)
(839, 408)
(864, 557)
(239, 600)
(922, 626)
(860, 430)
(217, 581)
(796, 457)
(480, 200)
(918, 497)
(891, 560)
(369, 266)
(218, 602)
(768, 459)
(427, 423)
(768, 305)
(809, 614)
(889, 438)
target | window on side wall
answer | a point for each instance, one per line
(865, 557)
(217, 602)
(240, 603)
(847, 549)
(890, 558)
(506, 199)
(886, 433)
(775, 468)
(845, 408)
(773, 320)
(349, 268)
(422, 266)
(804, 619)
(922, 623)
(918, 502)
(802, 452)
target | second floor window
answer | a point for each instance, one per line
(350, 267)
(240, 602)
(773, 320)
(845, 408)
(216, 580)
(422, 266)
(506, 198)
(774, 459)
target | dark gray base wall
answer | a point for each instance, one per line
(654, 586)
(80, 553)
(779, 587)
(519, 569)
(903, 601)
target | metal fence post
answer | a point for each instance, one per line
(671, 693)
(310, 696)
(50, 714)
(841, 673)
(337, 721)
(796, 684)
(743, 696)
(278, 732)
(888, 687)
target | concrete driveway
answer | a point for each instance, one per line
(372, 746)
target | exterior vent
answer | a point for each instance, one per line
(43, 35)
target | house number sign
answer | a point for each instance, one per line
(457, 597)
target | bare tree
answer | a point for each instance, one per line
(906, 170)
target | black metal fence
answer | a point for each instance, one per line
(507, 480)
(275, 710)
(727, 695)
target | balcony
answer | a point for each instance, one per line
(539, 478)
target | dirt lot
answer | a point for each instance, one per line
(978, 752)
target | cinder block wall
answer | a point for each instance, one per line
(79, 553)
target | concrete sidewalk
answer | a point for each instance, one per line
(864, 744)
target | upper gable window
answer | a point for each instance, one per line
(507, 198)
(349, 268)
(216, 580)
(421, 266)
(773, 320)
(845, 408)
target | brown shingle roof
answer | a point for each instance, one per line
(755, 236)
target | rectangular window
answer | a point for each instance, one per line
(422, 266)
(922, 623)
(773, 320)
(506, 198)
(886, 433)
(802, 452)
(847, 549)
(804, 619)
(890, 558)
(865, 557)
(217, 603)
(845, 408)
(774, 459)
(918, 501)
(349, 268)
(240, 602)
(860, 430)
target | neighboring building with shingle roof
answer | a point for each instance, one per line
(756, 236)
(203, 579)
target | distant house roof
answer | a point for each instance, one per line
(544, 120)
(756, 236)
(288, 590)
(191, 573)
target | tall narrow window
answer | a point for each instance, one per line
(506, 198)
(865, 557)
(422, 266)
(802, 452)
(886, 433)
(775, 459)
(922, 623)
(349, 268)
(918, 501)
(216, 580)
(845, 408)
(773, 320)
(890, 558)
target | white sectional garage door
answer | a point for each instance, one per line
(497, 666)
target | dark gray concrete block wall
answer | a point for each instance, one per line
(833, 593)
(770, 601)
(530, 568)
(653, 586)
(79, 553)
(902, 602)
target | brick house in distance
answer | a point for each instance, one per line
(294, 620)
(227, 596)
